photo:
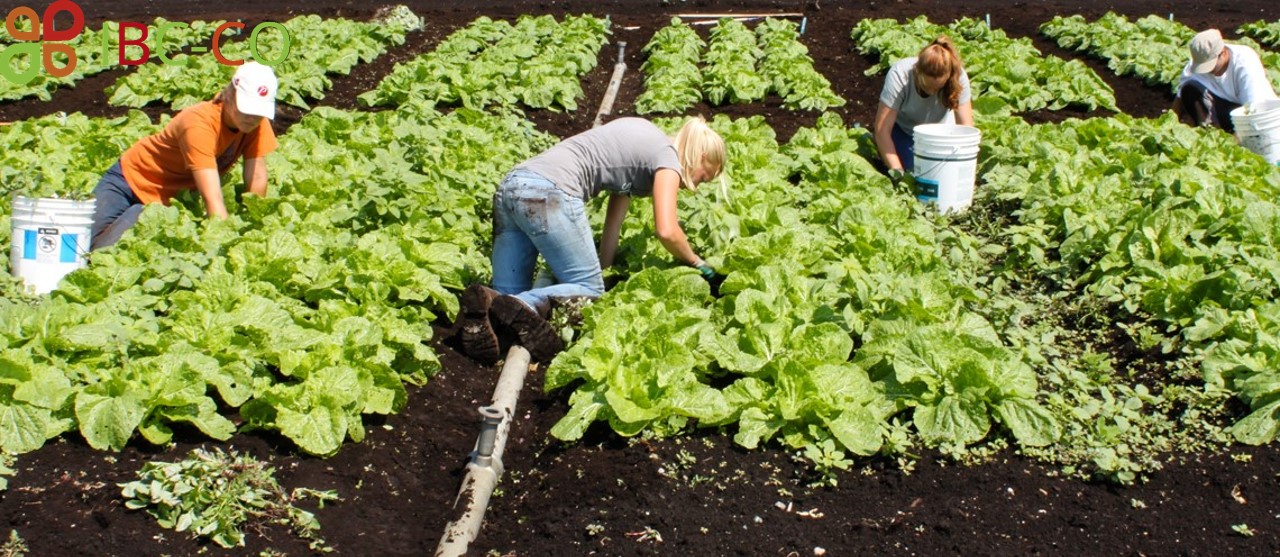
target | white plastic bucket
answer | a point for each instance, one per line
(50, 239)
(1258, 128)
(946, 164)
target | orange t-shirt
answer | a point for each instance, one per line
(159, 167)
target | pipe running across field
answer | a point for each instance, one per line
(485, 468)
(615, 82)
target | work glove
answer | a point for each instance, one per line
(706, 271)
(895, 175)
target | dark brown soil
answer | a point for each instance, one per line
(701, 494)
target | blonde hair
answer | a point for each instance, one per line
(940, 59)
(697, 144)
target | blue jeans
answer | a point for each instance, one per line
(532, 216)
(116, 208)
(905, 144)
(1204, 107)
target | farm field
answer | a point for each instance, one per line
(997, 491)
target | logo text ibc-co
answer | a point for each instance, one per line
(36, 36)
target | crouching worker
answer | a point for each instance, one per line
(930, 88)
(1218, 79)
(540, 209)
(192, 153)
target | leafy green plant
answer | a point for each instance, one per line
(827, 460)
(1262, 31)
(1172, 224)
(740, 66)
(730, 75)
(536, 62)
(216, 495)
(786, 64)
(6, 469)
(15, 546)
(672, 80)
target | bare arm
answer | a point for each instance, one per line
(964, 114)
(209, 184)
(613, 216)
(255, 176)
(885, 119)
(666, 183)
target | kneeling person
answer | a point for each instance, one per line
(1219, 78)
(192, 153)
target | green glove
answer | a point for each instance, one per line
(706, 271)
(895, 175)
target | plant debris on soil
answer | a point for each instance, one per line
(697, 495)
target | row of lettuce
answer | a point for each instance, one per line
(735, 66)
(1152, 48)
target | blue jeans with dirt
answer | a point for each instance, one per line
(116, 208)
(531, 216)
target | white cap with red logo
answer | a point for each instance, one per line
(256, 88)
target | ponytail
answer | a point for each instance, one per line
(697, 144)
(940, 59)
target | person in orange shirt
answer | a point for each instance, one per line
(192, 153)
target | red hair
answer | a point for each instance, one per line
(940, 59)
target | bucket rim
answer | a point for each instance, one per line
(946, 130)
(52, 201)
(1260, 109)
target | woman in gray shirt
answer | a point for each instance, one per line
(928, 89)
(540, 209)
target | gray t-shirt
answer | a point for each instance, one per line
(900, 93)
(621, 156)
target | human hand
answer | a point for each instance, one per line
(706, 271)
(895, 175)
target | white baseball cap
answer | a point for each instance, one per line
(1205, 48)
(256, 88)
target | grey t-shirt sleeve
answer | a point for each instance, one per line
(895, 84)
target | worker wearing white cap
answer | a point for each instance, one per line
(1219, 78)
(193, 151)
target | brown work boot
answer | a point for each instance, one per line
(535, 333)
(478, 338)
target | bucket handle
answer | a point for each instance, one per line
(954, 149)
(920, 168)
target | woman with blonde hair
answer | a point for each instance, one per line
(927, 89)
(540, 209)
